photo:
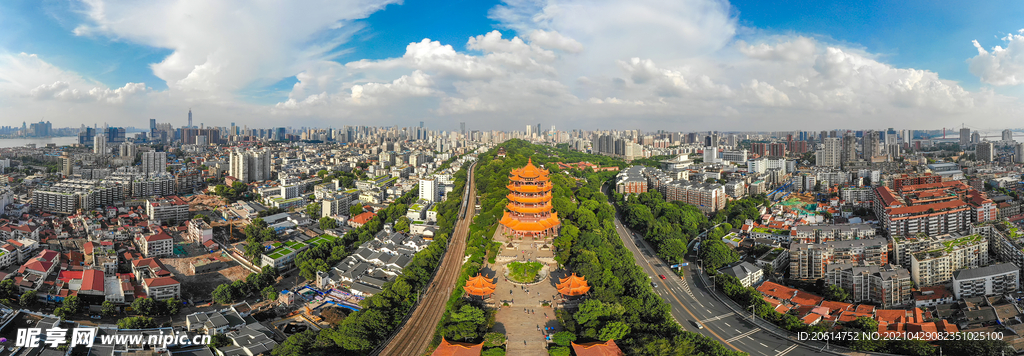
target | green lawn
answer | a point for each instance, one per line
(524, 272)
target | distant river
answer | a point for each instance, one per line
(40, 142)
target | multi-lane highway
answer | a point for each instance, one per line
(692, 304)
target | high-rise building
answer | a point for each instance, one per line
(830, 155)
(984, 151)
(154, 162)
(126, 149)
(189, 117)
(849, 150)
(428, 190)
(529, 130)
(1018, 153)
(1007, 135)
(869, 145)
(965, 137)
(975, 138)
(99, 145)
(463, 126)
(250, 166)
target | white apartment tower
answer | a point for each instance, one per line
(99, 144)
(428, 190)
(830, 155)
(154, 162)
(250, 166)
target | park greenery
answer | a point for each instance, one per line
(621, 304)
(523, 272)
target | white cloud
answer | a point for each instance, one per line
(1001, 66)
(221, 47)
(793, 50)
(554, 40)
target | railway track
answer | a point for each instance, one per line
(414, 337)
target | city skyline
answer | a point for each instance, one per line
(503, 65)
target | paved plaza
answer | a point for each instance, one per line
(525, 322)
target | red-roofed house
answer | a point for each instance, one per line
(361, 219)
(90, 284)
(776, 290)
(161, 288)
(804, 298)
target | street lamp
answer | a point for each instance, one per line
(751, 312)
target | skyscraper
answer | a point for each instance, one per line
(1018, 152)
(965, 137)
(463, 125)
(154, 162)
(250, 166)
(830, 155)
(1007, 135)
(849, 148)
(99, 145)
(984, 151)
(190, 117)
(869, 145)
(421, 125)
(529, 130)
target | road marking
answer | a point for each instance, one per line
(786, 351)
(743, 335)
(727, 324)
(717, 317)
(680, 302)
(766, 346)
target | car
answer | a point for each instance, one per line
(96, 317)
(662, 276)
(696, 324)
(654, 284)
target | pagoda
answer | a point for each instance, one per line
(479, 286)
(572, 286)
(529, 211)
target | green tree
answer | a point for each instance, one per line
(203, 217)
(222, 294)
(268, 234)
(72, 304)
(495, 351)
(269, 293)
(836, 293)
(28, 299)
(173, 306)
(219, 340)
(716, 254)
(355, 209)
(136, 322)
(252, 231)
(108, 308)
(613, 331)
(309, 268)
(673, 250)
(322, 173)
(253, 249)
(328, 223)
(144, 306)
(62, 312)
(563, 338)
(402, 224)
(465, 323)
(313, 210)
(8, 290)
(559, 351)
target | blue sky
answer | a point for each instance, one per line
(695, 60)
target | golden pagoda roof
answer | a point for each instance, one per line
(510, 221)
(573, 285)
(479, 285)
(530, 171)
(512, 197)
(530, 188)
(546, 208)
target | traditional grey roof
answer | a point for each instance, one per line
(740, 270)
(982, 272)
(365, 289)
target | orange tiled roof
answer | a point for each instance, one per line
(573, 285)
(479, 285)
(448, 348)
(597, 348)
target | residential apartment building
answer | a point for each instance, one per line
(933, 267)
(250, 166)
(708, 197)
(933, 209)
(996, 279)
(199, 231)
(748, 274)
(886, 285)
(809, 261)
(155, 245)
(631, 180)
(170, 210)
(825, 233)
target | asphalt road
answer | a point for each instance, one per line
(691, 303)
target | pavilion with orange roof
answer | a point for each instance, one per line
(572, 286)
(479, 286)
(529, 210)
(449, 348)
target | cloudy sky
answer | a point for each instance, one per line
(638, 64)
